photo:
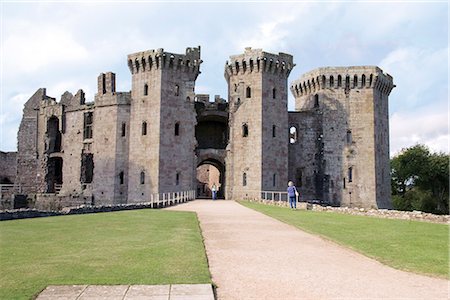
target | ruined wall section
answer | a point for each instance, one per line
(74, 145)
(162, 95)
(30, 169)
(110, 146)
(8, 167)
(345, 100)
(254, 155)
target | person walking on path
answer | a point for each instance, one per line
(214, 191)
(292, 194)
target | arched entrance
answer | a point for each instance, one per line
(210, 172)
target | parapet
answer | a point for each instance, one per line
(358, 77)
(159, 59)
(256, 60)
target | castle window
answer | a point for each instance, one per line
(248, 92)
(274, 93)
(274, 179)
(245, 130)
(298, 177)
(137, 65)
(274, 128)
(339, 81)
(88, 120)
(177, 90)
(188, 99)
(177, 179)
(142, 177)
(331, 81)
(244, 179)
(87, 167)
(350, 174)
(124, 128)
(323, 81)
(177, 129)
(121, 177)
(363, 80)
(370, 80)
(145, 89)
(144, 128)
(349, 137)
(316, 101)
(347, 82)
(343, 183)
(355, 81)
(293, 135)
(104, 83)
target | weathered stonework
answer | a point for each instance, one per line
(125, 147)
(343, 136)
(8, 165)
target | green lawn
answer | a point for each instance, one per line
(127, 247)
(408, 245)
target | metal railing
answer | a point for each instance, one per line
(167, 199)
(274, 195)
(6, 190)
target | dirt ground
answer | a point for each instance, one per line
(253, 256)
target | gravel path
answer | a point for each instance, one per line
(253, 256)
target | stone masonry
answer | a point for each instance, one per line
(125, 147)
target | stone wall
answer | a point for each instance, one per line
(8, 167)
(351, 153)
(361, 211)
(81, 209)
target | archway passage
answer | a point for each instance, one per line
(209, 173)
(54, 176)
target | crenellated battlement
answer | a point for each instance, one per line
(360, 77)
(159, 59)
(256, 60)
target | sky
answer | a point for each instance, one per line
(65, 46)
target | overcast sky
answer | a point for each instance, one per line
(64, 46)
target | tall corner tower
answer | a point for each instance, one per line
(343, 135)
(162, 122)
(257, 155)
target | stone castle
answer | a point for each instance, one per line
(126, 147)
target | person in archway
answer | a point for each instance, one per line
(214, 191)
(292, 194)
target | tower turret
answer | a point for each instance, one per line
(258, 153)
(343, 130)
(162, 129)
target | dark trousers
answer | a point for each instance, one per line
(292, 202)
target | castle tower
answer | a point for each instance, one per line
(257, 155)
(340, 154)
(108, 155)
(162, 122)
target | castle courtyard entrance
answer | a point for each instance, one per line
(210, 172)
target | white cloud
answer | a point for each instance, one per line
(419, 73)
(29, 48)
(426, 126)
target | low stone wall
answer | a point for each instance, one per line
(83, 209)
(380, 213)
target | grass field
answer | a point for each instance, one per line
(128, 247)
(408, 245)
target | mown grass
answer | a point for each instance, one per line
(407, 245)
(128, 247)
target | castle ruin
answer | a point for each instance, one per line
(126, 147)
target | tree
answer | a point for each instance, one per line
(420, 180)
